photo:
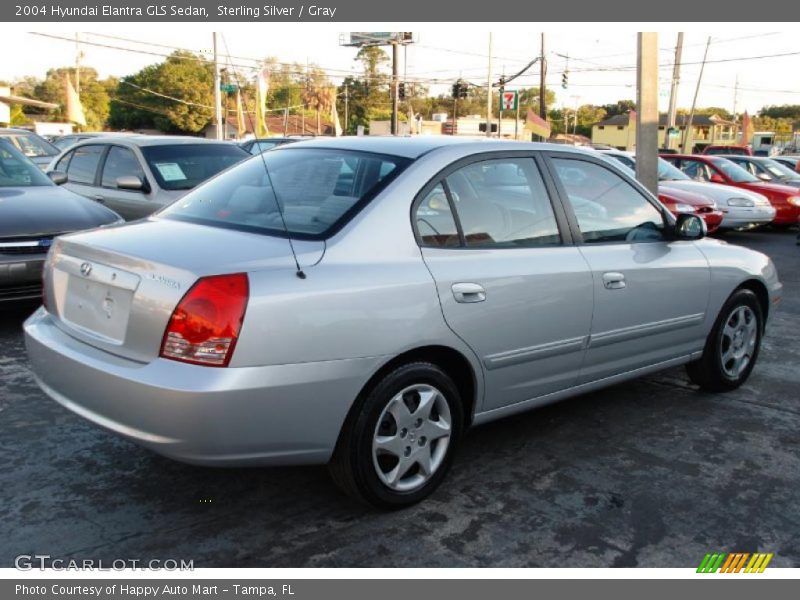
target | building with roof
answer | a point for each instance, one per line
(620, 133)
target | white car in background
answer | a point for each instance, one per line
(740, 208)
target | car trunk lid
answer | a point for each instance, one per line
(116, 288)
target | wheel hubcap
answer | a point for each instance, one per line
(411, 437)
(738, 343)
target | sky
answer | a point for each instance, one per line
(601, 63)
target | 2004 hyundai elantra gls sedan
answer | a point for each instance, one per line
(363, 301)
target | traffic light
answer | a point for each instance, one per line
(401, 90)
(459, 90)
(565, 79)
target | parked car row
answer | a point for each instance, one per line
(720, 206)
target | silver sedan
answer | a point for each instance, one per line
(362, 302)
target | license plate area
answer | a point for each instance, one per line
(98, 299)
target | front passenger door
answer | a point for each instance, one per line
(650, 291)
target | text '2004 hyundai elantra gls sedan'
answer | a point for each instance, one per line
(362, 302)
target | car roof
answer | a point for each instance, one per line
(414, 147)
(137, 139)
(16, 130)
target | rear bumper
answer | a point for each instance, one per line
(787, 214)
(21, 277)
(272, 415)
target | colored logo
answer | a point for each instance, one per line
(734, 562)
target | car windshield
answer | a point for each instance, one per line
(780, 170)
(669, 172)
(183, 166)
(318, 190)
(17, 171)
(31, 145)
(734, 172)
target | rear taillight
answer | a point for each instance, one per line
(204, 327)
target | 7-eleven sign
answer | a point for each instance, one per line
(508, 100)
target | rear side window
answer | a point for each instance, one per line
(435, 224)
(318, 189)
(503, 203)
(83, 166)
(119, 163)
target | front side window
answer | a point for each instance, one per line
(120, 162)
(608, 208)
(83, 165)
(503, 203)
(316, 189)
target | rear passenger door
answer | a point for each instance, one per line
(650, 291)
(510, 282)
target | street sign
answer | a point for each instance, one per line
(673, 132)
(508, 100)
(228, 88)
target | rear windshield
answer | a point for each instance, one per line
(31, 145)
(318, 191)
(183, 166)
(18, 171)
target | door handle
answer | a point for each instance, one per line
(613, 281)
(468, 292)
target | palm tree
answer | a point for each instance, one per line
(320, 99)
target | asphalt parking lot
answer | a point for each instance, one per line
(650, 473)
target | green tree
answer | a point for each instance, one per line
(176, 96)
(94, 95)
(620, 107)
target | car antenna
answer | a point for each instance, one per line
(299, 272)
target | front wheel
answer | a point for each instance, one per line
(732, 346)
(396, 450)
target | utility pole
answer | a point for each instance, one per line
(346, 108)
(735, 99)
(489, 92)
(395, 77)
(542, 91)
(575, 120)
(688, 131)
(647, 110)
(217, 92)
(78, 64)
(673, 92)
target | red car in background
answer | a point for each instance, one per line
(733, 149)
(717, 169)
(681, 201)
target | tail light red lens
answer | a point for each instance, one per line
(204, 327)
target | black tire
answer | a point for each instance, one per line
(352, 467)
(708, 371)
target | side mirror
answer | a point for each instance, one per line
(57, 177)
(764, 177)
(716, 178)
(690, 227)
(130, 182)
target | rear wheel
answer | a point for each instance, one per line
(732, 346)
(396, 450)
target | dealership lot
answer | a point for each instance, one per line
(649, 473)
